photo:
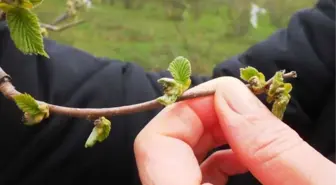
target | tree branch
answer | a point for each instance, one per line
(8, 90)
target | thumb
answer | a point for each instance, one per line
(271, 150)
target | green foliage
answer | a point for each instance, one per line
(148, 38)
(25, 31)
(34, 112)
(255, 78)
(248, 72)
(280, 104)
(275, 85)
(99, 133)
(24, 26)
(180, 69)
(277, 92)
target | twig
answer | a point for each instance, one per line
(65, 15)
(60, 18)
(8, 90)
(60, 28)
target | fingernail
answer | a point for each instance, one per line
(239, 97)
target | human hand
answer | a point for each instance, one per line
(169, 149)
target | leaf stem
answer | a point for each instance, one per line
(8, 90)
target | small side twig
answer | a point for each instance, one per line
(61, 18)
(65, 15)
(8, 90)
(61, 28)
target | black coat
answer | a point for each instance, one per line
(53, 152)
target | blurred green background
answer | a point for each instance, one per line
(152, 32)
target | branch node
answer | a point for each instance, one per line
(4, 77)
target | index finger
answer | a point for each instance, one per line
(164, 148)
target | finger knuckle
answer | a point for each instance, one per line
(273, 142)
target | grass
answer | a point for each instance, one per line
(147, 38)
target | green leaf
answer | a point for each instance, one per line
(32, 119)
(276, 83)
(167, 100)
(27, 103)
(280, 105)
(99, 133)
(288, 87)
(25, 31)
(172, 90)
(248, 72)
(180, 69)
(34, 112)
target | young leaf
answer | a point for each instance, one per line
(248, 72)
(166, 99)
(255, 79)
(99, 133)
(27, 103)
(25, 31)
(34, 112)
(279, 105)
(288, 87)
(33, 119)
(180, 69)
(172, 90)
(276, 83)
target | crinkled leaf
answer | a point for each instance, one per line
(280, 105)
(99, 133)
(25, 31)
(167, 100)
(172, 90)
(248, 72)
(170, 86)
(34, 112)
(257, 86)
(180, 69)
(27, 103)
(269, 99)
(288, 87)
(278, 77)
(32, 119)
(277, 82)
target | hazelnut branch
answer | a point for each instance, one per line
(8, 90)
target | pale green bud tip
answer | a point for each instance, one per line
(99, 133)
(34, 112)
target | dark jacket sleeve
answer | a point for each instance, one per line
(53, 152)
(306, 46)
